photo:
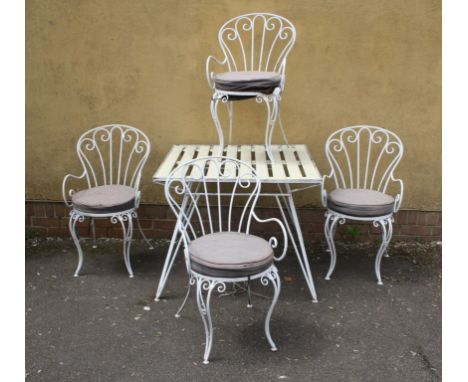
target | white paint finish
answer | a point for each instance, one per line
(246, 153)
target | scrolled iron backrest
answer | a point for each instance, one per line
(257, 42)
(212, 186)
(113, 154)
(363, 157)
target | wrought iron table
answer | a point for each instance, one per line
(292, 170)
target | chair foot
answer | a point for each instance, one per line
(76, 275)
(250, 306)
(156, 299)
(274, 349)
(131, 276)
(206, 362)
(177, 315)
(315, 301)
(327, 278)
(379, 283)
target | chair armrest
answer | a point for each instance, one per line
(273, 240)
(399, 196)
(323, 191)
(209, 74)
(71, 191)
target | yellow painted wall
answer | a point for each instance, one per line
(142, 62)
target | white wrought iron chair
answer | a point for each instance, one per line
(255, 47)
(112, 157)
(362, 160)
(214, 216)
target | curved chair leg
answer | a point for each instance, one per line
(230, 107)
(273, 120)
(150, 246)
(74, 218)
(387, 231)
(127, 239)
(249, 295)
(271, 103)
(204, 308)
(280, 122)
(330, 229)
(179, 311)
(214, 114)
(276, 281)
(93, 231)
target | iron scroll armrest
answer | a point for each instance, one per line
(399, 196)
(209, 74)
(323, 190)
(273, 240)
(71, 191)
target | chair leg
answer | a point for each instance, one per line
(204, 308)
(271, 103)
(74, 218)
(127, 238)
(249, 295)
(230, 107)
(214, 115)
(150, 246)
(275, 280)
(387, 231)
(283, 133)
(93, 231)
(330, 229)
(179, 311)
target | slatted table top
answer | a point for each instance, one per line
(292, 164)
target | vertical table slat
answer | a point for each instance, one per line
(310, 168)
(277, 167)
(291, 162)
(168, 163)
(260, 162)
(202, 151)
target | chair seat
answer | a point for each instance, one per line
(360, 202)
(104, 199)
(230, 254)
(248, 81)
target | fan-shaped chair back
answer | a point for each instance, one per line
(221, 192)
(363, 157)
(257, 42)
(113, 154)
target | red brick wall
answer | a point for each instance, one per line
(51, 219)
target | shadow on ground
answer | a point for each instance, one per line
(104, 326)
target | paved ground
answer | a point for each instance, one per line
(104, 326)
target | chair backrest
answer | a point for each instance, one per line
(257, 42)
(363, 157)
(212, 194)
(113, 154)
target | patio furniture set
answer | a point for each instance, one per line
(213, 189)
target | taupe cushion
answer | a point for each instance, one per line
(104, 199)
(230, 254)
(360, 202)
(260, 82)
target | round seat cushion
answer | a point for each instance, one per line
(360, 202)
(105, 199)
(248, 81)
(230, 254)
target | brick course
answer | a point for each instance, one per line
(45, 218)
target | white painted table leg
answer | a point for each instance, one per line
(305, 261)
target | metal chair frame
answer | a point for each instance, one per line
(103, 165)
(191, 182)
(359, 171)
(239, 33)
